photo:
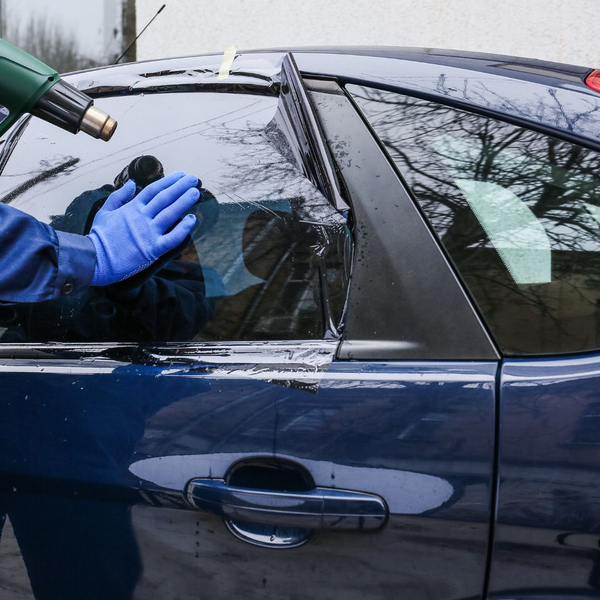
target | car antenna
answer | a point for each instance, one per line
(140, 33)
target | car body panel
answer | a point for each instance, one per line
(568, 109)
(547, 530)
(115, 443)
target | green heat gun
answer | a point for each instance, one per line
(27, 85)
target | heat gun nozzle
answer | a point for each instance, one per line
(98, 124)
(69, 108)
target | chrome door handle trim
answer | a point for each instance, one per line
(320, 508)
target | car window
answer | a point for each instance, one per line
(266, 245)
(518, 212)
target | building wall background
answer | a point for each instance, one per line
(557, 30)
(96, 24)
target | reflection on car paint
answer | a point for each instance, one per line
(407, 493)
(535, 103)
(95, 424)
(249, 73)
(548, 531)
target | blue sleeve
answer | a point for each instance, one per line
(38, 263)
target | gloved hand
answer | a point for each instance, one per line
(129, 235)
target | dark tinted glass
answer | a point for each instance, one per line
(518, 212)
(267, 243)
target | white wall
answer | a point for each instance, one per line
(559, 30)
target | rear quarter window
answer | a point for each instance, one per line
(517, 211)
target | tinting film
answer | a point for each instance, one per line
(267, 241)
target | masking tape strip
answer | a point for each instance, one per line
(227, 61)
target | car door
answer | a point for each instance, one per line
(518, 213)
(299, 404)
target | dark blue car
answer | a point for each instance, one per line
(374, 370)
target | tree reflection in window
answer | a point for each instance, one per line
(516, 210)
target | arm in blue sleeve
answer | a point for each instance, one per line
(39, 263)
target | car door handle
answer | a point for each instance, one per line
(320, 508)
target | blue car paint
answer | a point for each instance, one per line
(547, 532)
(89, 440)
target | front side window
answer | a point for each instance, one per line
(266, 244)
(517, 211)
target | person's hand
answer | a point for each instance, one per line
(129, 235)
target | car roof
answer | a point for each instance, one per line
(475, 61)
(550, 97)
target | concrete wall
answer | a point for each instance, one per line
(558, 30)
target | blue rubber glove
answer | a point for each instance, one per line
(129, 235)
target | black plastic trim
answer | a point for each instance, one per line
(405, 301)
(300, 121)
(434, 233)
